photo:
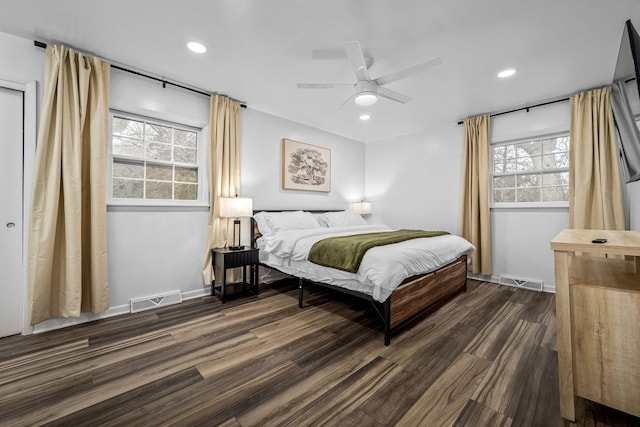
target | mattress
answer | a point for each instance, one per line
(382, 269)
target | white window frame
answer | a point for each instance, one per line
(525, 205)
(200, 158)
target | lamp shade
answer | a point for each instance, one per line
(363, 208)
(236, 207)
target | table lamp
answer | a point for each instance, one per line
(236, 207)
(361, 207)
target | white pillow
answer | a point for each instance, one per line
(280, 221)
(263, 223)
(342, 218)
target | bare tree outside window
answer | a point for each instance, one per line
(534, 171)
(153, 161)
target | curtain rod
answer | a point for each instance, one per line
(537, 105)
(524, 108)
(164, 82)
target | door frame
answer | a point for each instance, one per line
(29, 117)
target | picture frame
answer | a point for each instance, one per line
(305, 166)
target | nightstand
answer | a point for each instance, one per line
(224, 258)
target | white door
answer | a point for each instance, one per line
(11, 146)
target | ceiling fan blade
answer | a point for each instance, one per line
(321, 85)
(393, 95)
(409, 71)
(348, 100)
(356, 57)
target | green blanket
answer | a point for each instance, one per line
(346, 252)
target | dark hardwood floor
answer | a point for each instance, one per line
(485, 358)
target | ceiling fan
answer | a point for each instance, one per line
(367, 90)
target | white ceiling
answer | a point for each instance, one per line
(259, 49)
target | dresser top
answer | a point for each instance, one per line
(618, 242)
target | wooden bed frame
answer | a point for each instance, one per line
(415, 297)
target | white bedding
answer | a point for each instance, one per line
(383, 268)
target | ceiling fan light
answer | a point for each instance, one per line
(366, 98)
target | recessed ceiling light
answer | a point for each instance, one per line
(364, 117)
(506, 73)
(196, 47)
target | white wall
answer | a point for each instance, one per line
(261, 169)
(633, 190)
(22, 62)
(414, 181)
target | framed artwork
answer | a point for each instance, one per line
(305, 166)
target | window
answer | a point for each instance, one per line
(533, 172)
(153, 161)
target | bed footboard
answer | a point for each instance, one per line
(415, 297)
(420, 294)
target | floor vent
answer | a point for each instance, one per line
(160, 300)
(533, 284)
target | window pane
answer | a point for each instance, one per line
(127, 188)
(125, 127)
(186, 175)
(144, 156)
(507, 181)
(528, 194)
(528, 164)
(555, 145)
(186, 191)
(521, 164)
(184, 155)
(528, 149)
(529, 180)
(127, 147)
(555, 161)
(555, 194)
(510, 151)
(159, 190)
(553, 179)
(185, 138)
(124, 169)
(158, 133)
(160, 173)
(503, 196)
(510, 165)
(157, 151)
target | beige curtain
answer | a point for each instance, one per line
(595, 187)
(67, 229)
(475, 220)
(224, 173)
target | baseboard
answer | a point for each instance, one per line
(64, 322)
(203, 292)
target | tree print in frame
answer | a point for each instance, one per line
(305, 166)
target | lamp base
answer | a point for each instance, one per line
(235, 248)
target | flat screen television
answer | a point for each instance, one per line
(626, 102)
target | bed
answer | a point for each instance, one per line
(402, 281)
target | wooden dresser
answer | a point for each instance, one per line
(598, 318)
